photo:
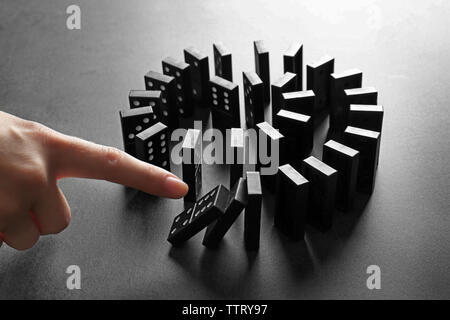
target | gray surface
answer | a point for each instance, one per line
(76, 81)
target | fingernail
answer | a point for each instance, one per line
(176, 187)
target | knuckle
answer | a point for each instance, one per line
(112, 155)
(39, 132)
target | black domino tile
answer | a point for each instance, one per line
(266, 136)
(293, 62)
(146, 98)
(366, 116)
(291, 202)
(166, 84)
(345, 160)
(236, 203)
(366, 95)
(199, 75)
(152, 145)
(322, 192)
(183, 92)
(348, 79)
(252, 216)
(192, 163)
(318, 80)
(133, 121)
(235, 144)
(223, 64)
(224, 97)
(286, 83)
(194, 219)
(299, 101)
(253, 98)
(367, 142)
(298, 133)
(262, 67)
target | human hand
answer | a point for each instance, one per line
(33, 158)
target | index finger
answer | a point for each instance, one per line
(74, 157)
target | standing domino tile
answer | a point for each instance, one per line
(367, 142)
(364, 116)
(274, 143)
(300, 102)
(199, 75)
(339, 82)
(262, 67)
(293, 62)
(254, 98)
(134, 121)
(235, 141)
(152, 145)
(166, 84)
(222, 61)
(145, 98)
(322, 192)
(366, 95)
(345, 160)
(192, 163)
(252, 217)
(291, 202)
(236, 203)
(318, 80)
(286, 83)
(224, 97)
(183, 91)
(298, 133)
(196, 218)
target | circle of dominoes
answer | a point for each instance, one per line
(307, 190)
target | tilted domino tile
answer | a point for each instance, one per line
(252, 216)
(222, 61)
(166, 84)
(199, 75)
(366, 116)
(291, 202)
(192, 166)
(345, 160)
(348, 79)
(152, 145)
(293, 62)
(262, 67)
(194, 219)
(236, 203)
(367, 142)
(183, 91)
(322, 192)
(254, 98)
(318, 80)
(132, 122)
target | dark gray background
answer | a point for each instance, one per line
(76, 81)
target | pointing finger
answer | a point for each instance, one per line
(74, 157)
